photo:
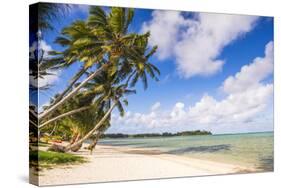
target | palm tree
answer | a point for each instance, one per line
(108, 94)
(113, 61)
(85, 122)
(101, 89)
(103, 43)
(109, 91)
(104, 90)
(90, 133)
(138, 73)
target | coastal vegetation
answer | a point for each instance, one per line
(165, 134)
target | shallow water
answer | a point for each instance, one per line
(253, 150)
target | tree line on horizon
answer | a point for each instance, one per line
(164, 134)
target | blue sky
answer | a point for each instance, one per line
(209, 73)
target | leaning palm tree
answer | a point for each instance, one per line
(84, 123)
(96, 100)
(101, 43)
(109, 91)
(103, 93)
(100, 89)
(78, 123)
(116, 97)
(80, 103)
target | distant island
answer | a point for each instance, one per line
(165, 134)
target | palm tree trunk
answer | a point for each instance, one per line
(73, 138)
(63, 115)
(94, 143)
(74, 80)
(76, 148)
(73, 92)
(89, 134)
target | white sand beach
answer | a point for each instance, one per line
(113, 163)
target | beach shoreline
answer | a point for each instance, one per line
(119, 163)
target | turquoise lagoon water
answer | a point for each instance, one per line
(253, 150)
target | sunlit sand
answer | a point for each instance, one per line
(112, 163)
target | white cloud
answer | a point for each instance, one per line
(177, 112)
(251, 75)
(53, 74)
(239, 107)
(195, 42)
(164, 28)
(236, 108)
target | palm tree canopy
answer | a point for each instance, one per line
(101, 40)
(103, 37)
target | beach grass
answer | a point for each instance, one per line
(48, 159)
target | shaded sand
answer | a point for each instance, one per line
(113, 163)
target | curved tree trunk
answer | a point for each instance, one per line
(75, 149)
(92, 146)
(90, 133)
(72, 93)
(63, 115)
(73, 138)
(71, 84)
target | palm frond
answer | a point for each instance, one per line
(144, 80)
(116, 20)
(97, 17)
(120, 109)
(129, 18)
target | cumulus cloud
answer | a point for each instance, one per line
(251, 75)
(164, 28)
(240, 106)
(195, 41)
